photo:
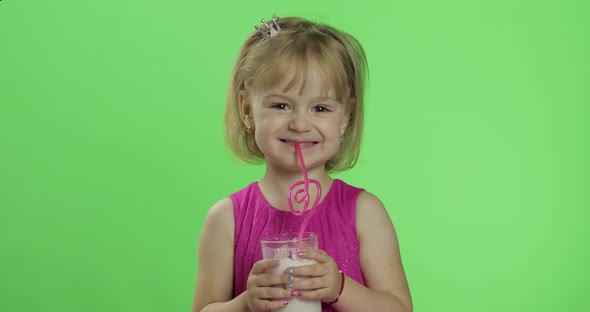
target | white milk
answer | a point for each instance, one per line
(297, 304)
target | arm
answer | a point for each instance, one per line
(214, 289)
(215, 278)
(387, 287)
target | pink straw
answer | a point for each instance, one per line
(302, 195)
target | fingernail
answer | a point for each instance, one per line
(300, 254)
(276, 262)
(289, 271)
(294, 293)
(286, 302)
(299, 294)
(289, 286)
(289, 278)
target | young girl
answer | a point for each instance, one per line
(299, 85)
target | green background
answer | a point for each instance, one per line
(111, 146)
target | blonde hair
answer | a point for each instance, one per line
(261, 63)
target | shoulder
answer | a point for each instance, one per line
(248, 189)
(346, 192)
(369, 203)
(368, 209)
(370, 212)
(360, 196)
(245, 195)
(369, 200)
(219, 222)
(221, 213)
(218, 229)
(343, 185)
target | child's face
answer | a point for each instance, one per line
(313, 118)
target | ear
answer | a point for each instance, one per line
(245, 108)
(345, 121)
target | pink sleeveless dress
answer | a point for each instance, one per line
(334, 222)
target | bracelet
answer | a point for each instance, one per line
(341, 287)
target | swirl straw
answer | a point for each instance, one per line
(302, 195)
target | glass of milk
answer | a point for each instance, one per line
(285, 248)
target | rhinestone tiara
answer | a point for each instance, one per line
(269, 31)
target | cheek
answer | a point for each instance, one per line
(330, 134)
(336, 127)
(264, 123)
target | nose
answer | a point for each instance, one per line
(300, 122)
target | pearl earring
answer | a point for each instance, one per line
(250, 129)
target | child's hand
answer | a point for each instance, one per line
(266, 291)
(320, 280)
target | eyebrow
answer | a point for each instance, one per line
(282, 96)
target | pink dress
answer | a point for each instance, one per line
(334, 223)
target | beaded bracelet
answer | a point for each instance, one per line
(341, 287)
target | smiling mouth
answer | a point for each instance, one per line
(302, 144)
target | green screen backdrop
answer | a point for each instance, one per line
(111, 146)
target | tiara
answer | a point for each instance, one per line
(271, 30)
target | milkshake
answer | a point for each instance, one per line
(285, 248)
(297, 304)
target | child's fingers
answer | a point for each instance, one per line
(325, 264)
(316, 254)
(270, 298)
(269, 305)
(310, 270)
(260, 275)
(272, 293)
(262, 266)
(324, 287)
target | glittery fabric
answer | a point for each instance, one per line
(333, 222)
